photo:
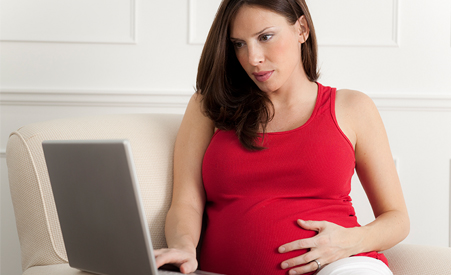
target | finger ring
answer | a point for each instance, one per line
(318, 263)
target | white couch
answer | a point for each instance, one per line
(152, 139)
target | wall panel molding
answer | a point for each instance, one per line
(338, 24)
(412, 102)
(71, 21)
(180, 98)
(99, 98)
(201, 15)
(335, 21)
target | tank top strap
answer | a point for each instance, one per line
(325, 99)
(332, 96)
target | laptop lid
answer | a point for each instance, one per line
(99, 206)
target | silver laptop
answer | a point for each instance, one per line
(99, 207)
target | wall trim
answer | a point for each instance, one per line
(126, 39)
(395, 22)
(96, 98)
(2, 153)
(412, 102)
(355, 42)
(180, 98)
(196, 38)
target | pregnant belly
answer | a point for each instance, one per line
(244, 237)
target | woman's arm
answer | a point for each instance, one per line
(184, 218)
(376, 170)
(360, 121)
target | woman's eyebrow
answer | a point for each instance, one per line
(256, 34)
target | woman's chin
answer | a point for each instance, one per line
(266, 88)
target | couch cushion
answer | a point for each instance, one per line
(152, 138)
(58, 269)
(410, 259)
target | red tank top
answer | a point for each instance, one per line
(255, 197)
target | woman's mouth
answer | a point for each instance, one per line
(263, 76)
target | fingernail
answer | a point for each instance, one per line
(292, 272)
(281, 249)
(284, 265)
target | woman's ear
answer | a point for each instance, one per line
(304, 30)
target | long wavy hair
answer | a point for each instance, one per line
(230, 97)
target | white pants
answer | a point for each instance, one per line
(359, 265)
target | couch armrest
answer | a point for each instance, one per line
(409, 259)
(152, 137)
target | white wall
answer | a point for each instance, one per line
(80, 57)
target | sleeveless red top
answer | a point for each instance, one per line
(255, 197)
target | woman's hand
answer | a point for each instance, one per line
(333, 242)
(185, 261)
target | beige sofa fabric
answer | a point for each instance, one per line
(58, 269)
(152, 138)
(408, 259)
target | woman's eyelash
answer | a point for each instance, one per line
(266, 37)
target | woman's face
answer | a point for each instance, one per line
(268, 47)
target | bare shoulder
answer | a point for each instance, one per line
(195, 111)
(353, 100)
(197, 97)
(195, 101)
(355, 111)
(355, 106)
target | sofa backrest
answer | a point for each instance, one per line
(152, 138)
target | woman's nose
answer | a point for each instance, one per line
(255, 55)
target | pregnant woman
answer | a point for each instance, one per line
(265, 154)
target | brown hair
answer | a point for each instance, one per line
(230, 98)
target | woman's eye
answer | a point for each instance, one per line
(238, 44)
(266, 37)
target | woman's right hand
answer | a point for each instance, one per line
(184, 260)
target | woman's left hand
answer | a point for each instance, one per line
(333, 242)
